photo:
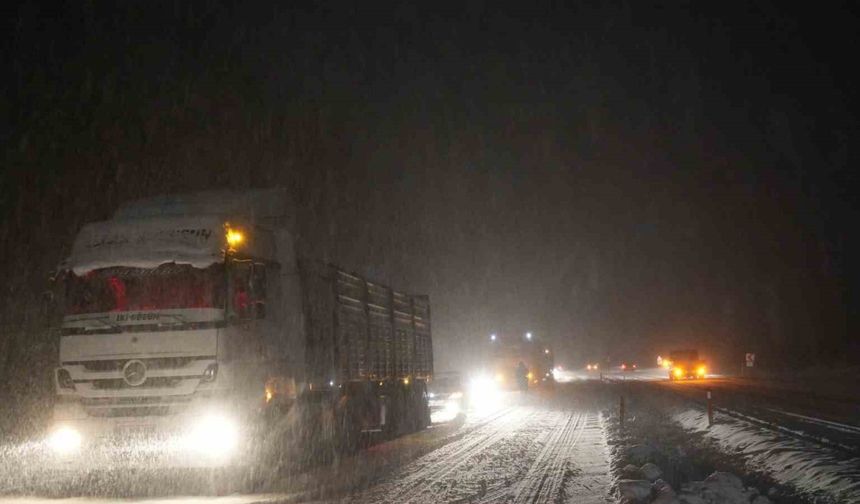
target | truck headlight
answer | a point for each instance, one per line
(213, 435)
(484, 394)
(483, 385)
(64, 440)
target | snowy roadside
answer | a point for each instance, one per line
(817, 472)
(666, 453)
(653, 462)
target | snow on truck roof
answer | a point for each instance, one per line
(148, 243)
(187, 229)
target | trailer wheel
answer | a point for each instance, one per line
(397, 410)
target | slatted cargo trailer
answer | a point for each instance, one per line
(358, 330)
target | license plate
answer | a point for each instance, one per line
(135, 429)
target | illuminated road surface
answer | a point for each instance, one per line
(541, 448)
(526, 453)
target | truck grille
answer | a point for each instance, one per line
(152, 363)
(138, 411)
(158, 382)
(133, 406)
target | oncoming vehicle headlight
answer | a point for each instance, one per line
(64, 440)
(678, 372)
(701, 371)
(212, 435)
(483, 385)
(484, 394)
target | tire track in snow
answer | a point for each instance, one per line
(492, 479)
(572, 464)
(530, 455)
(435, 466)
(545, 479)
(589, 481)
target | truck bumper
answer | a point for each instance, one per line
(204, 436)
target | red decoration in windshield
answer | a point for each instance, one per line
(129, 289)
(117, 287)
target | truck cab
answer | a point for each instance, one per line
(171, 312)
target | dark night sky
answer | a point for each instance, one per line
(611, 176)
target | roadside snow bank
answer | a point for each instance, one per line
(651, 449)
(813, 471)
(718, 488)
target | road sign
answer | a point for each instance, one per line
(750, 359)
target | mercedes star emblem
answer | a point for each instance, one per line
(134, 372)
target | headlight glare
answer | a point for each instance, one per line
(64, 440)
(213, 435)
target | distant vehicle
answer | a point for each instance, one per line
(592, 367)
(507, 352)
(686, 364)
(522, 375)
(628, 366)
(447, 395)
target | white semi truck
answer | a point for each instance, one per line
(190, 324)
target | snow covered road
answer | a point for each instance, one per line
(528, 454)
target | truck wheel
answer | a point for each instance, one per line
(398, 414)
(349, 432)
(420, 406)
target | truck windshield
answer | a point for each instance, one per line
(132, 289)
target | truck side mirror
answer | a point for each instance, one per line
(258, 290)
